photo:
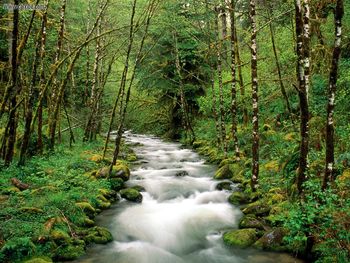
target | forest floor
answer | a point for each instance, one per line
(48, 206)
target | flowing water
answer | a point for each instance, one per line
(181, 218)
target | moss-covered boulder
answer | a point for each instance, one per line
(87, 208)
(251, 221)
(257, 208)
(224, 186)
(238, 198)
(238, 178)
(139, 188)
(59, 236)
(116, 184)
(39, 260)
(108, 194)
(132, 195)
(98, 235)
(70, 251)
(226, 162)
(240, 237)
(223, 173)
(120, 170)
(272, 240)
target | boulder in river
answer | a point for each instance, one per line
(251, 221)
(272, 240)
(98, 235)
(39, 260)
(238, 198)
(240, 237)
(181, 174)
(224, 186)
(257, 208)
(132, 195)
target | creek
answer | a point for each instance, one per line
(182, 216)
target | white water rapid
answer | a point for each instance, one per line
(181, 217)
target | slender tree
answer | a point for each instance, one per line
(255, 97)
(221, 92)
(332, 87)
(302, 37)
(233, 84)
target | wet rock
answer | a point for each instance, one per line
(139, 188)
(240, 237)
(250, 221)
(257, 208)
(98, 235)
(238, 198)
(116, 184)
(119, 170)
(131, 195)
(272, 240)
(181, 174)
(224, 186)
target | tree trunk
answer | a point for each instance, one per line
(221, 95)
(233, 85)
(12, 122)
(333, 75)
(302, 52)
(255, 97)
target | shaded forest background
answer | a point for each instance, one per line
(73, 71)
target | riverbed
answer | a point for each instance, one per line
(182, 216)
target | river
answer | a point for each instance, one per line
(181, 218)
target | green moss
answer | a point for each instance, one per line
(87, 208)
(116, 183)
(98, 235)
(251, 221)
(39, 260)
(257, 208)
(272, 240)
(223, 173)
(70, 251)
(59, 235)
(131, 194)
(240, 237)
(238, 198)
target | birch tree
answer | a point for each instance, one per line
(332, 88)
(255, 97)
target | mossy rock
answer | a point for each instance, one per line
(103, 205)
(39, 260)
(272, 240)
(4, 198)
(116, 184)
(98, 235)
(87, 208)
(88, 222)
(120, 170)
(131, 194)
(139, 188)
(108, 194)
(241, 238)
(251, 221)
(257, 208)
(70, 251)
(224, 186)
(238, 178)
(238, 198)
(131, 157)
(17, 247)
(59, 236)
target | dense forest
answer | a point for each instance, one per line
(259, 88)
